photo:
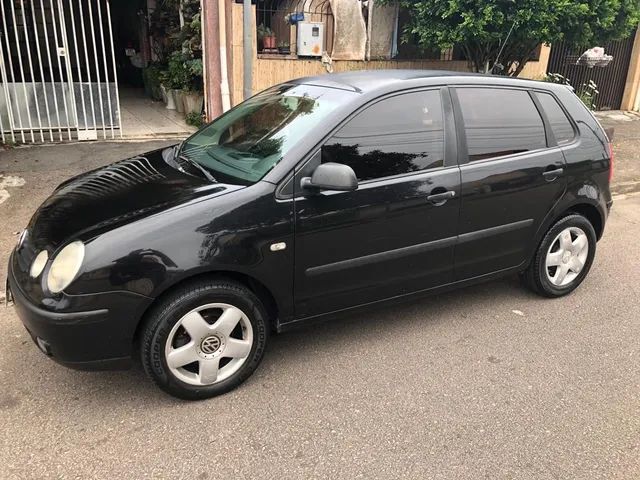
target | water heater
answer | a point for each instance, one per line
(310, 39)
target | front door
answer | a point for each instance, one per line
(512, 176)
(391, 236)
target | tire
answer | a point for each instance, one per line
(193, 328)
(543, 276)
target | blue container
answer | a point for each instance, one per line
(296, 17)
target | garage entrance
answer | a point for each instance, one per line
(58, 71)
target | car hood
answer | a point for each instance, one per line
(114, 195)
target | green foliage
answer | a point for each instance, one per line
(480, 27)
(177, 75)
(194, 119)
(164, 23)
(556, 78)
(588, 92)
(151, 76)
(263, 31)
(8, 144)
(180, 48)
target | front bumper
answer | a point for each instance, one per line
(97, 339)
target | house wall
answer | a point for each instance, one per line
(631, 96)
(269, 70)
(537, 70)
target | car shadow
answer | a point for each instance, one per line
(302, 343)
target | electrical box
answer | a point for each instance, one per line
(310, 39)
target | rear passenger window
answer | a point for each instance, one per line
(560, 124)
(397, 135)
(500, 122)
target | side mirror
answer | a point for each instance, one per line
(331, 176)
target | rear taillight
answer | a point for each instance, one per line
(610, 161)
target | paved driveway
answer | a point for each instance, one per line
(486, 382)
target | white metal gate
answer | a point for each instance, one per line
(58, 71)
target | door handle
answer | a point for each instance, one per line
(552, 174)
(440, 198)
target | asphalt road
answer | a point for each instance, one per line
(486, 382)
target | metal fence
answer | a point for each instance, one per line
(610, 79)
(58, 72)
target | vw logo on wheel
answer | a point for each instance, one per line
(210, 345)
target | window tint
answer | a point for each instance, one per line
(397, 135)
(500, 122)
(242, 145)
(560, 124)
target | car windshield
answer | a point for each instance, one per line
(245, 143)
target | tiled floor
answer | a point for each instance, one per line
(146, 118)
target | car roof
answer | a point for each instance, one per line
(367, 81)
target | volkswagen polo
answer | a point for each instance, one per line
(318, 196)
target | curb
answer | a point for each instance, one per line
(100, 141)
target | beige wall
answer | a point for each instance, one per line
(631, 96)
(271, 71)
(537, 70)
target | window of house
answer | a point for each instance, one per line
(560, 124)
(397, 135)
(499, 122)
(278, 21)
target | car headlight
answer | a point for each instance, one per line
(38, 264)
(65, 267)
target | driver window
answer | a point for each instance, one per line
(397, 135)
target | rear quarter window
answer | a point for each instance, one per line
(560, 123)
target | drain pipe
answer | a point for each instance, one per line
(224, 75)
(210, 60)
(247, 49)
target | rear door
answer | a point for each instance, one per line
(512, 176)
(390, 236)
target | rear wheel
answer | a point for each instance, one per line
(563, 257)
(204, 339)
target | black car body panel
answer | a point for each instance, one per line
(148, 226)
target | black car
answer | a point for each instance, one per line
(313, 197)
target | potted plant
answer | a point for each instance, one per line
(267, 37)
(151, 78)
(178, 78)
(166, 90)
(193, 90)
(283, 48)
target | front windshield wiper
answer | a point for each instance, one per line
(195, 164)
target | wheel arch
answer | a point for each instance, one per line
(253, 284)
(591, 213)
(582, 207)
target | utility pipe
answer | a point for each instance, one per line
(247, 49)
(210, 58)
(224, 75)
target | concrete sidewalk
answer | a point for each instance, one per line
(626, 149)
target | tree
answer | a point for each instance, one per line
(506, 33)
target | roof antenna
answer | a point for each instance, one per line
(497, 65)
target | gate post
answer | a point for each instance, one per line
(632, 85)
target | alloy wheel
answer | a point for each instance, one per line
(567, 256)
(209, 344)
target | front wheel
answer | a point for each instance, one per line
(563, 257)
(204, 339)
